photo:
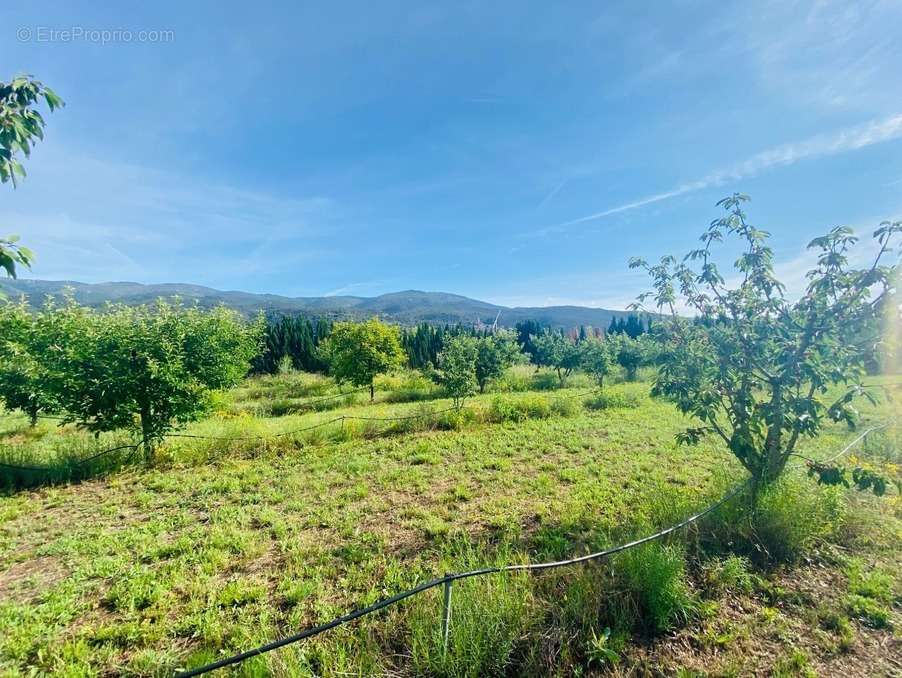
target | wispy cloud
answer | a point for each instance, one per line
(114, 220)
(848, 139)
(553, 192)
(353, 287)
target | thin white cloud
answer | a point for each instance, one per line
(553, 192)
(95, 219)
(849, 139)
(351, 287)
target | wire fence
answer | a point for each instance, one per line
(267, 436)
(77, 462)
(281, 434)
(448, 580)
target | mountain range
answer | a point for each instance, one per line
(409, 307)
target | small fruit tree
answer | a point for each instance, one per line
(24, 380)
(457, 367)
(357, 352)
(495, 353)
(145, 368)
(558, 352)
(755, 366)
(597, 358)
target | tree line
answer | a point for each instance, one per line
(294, 341)
(150, 368)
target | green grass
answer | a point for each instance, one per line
(222, 545)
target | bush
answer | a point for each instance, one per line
(607, 400)
(544, 381)
(403, 380)
(515, 380)
(455, 420)
(504, 409)
(565, 407)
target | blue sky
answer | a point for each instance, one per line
(516, 152)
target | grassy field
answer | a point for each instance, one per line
(224, 544)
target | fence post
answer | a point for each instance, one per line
(446, 615)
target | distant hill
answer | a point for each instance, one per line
(408, 308)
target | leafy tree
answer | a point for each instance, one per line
(495, 353)
(21, 125)
(146, 368)
(558, 352)
(631, 354)
(757, 369)
(457, 367)
(12, 253)
(527, 331)
(596, 358)
(23, 377)
(357, 352)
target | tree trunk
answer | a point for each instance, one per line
(33, 416)
(372, 392)
(767, 473)
(147, 432)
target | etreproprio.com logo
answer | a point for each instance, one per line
(101, 36)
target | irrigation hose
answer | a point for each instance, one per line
(375, 607)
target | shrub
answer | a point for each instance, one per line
(543, 381)
(608, 400)
(565, 407)
(504, 409)
(456, 420)
(403, 380)
(515, 380)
